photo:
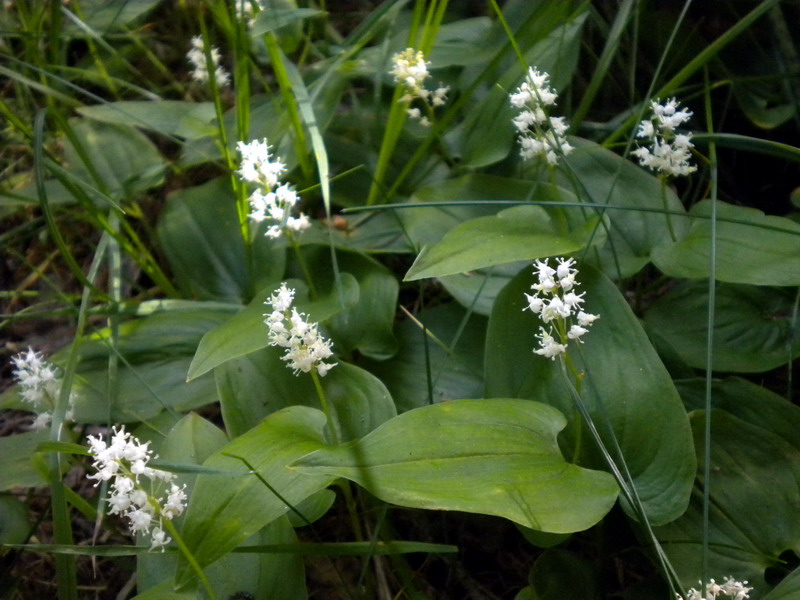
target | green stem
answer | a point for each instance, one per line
(664, 204)
(190, 558)
(301, 261)
(625, 481)
(333, 428)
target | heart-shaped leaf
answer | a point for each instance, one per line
(752, 326)
(497, 457)
(626, 388)
(226, 510)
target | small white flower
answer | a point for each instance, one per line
(306, 349)
(555, 302)
(730, 588)
(548, 346)
(159, 538)
(197, 57)
(668, 152)
(39, 386)
(257, 164)
(539, 134)
(124, 460)
(410, 70)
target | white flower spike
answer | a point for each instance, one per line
(558, 305)
(668, 152)
(124, 460)
(306, 349)
(730, 588)
(274, 201)
(539, 133)
(410, 70)
(39, 386)
(197, 58)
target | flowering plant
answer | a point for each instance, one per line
(558, 305)
(135, 486)
(507, 314)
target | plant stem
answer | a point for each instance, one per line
(190, 558)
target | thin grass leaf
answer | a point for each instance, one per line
(696, 64)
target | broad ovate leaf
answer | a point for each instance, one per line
(752, 326)
(514, 234)
(225, 510)
(169, 117)
(755, 475)
(498, 457)
(624, 385)
(751, 247)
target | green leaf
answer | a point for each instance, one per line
(364, 325)
(14, 523)
(259, 384)
(200, 235)
(559, 574)
(756, 249)
(246, 332)
(755, 474)
(156, 352)
(626, 388)
(190, 120)
(477, 290)
(497, 457)
(514, 234)
(126, 162)
(17, 451)
(226, 510)
(456, 370)
(603, 177)
(428, 225)
(752, 326)
(109, 15)
(273, 18)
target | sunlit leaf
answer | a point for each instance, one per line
(497, 457)
(225, 511)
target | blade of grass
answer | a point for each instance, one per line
(38, 167)
(696, 64)
(712, 287)
(613, 40)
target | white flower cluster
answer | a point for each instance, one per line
(244, 9)
(411, 70)
(539, 133)
(305, 348)
(275, 200)
(556, 302)
(197, 57)
(125, 460)
(669, 152)
(731, 588)
(39, 386)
